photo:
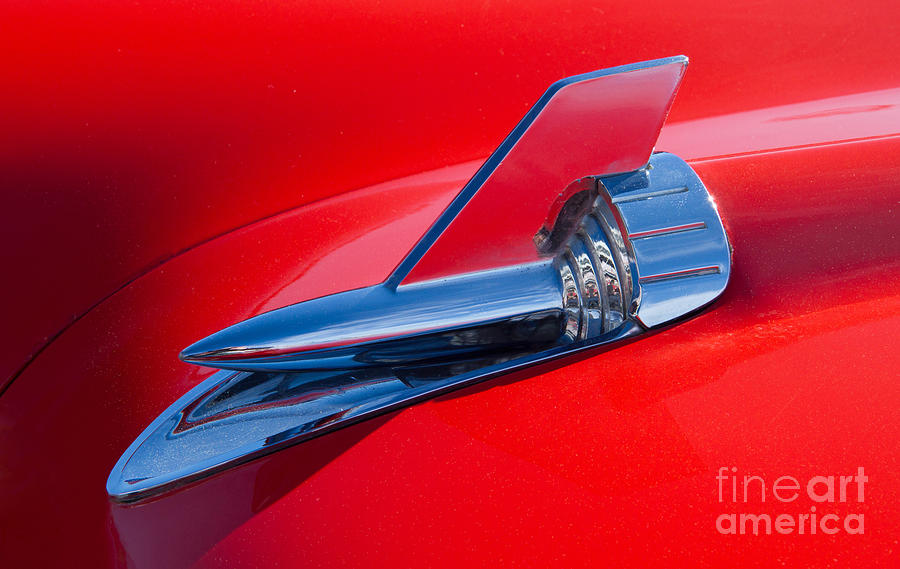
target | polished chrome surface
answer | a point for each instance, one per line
(378, 325)
(616, 255)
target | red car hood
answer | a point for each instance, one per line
(141, 143)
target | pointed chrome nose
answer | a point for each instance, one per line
(368, 327)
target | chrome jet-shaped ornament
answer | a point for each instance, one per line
(572, 235)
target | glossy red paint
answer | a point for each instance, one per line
(609, 458)
(133, 131)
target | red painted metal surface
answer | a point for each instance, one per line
(133, 132)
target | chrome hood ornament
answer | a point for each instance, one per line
(600, 240)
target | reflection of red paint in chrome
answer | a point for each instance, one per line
(246, 353)
(696, 272)
(667, 230)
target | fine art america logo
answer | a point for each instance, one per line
(822, 493)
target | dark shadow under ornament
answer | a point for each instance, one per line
(588, 255)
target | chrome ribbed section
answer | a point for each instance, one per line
(596, 276)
